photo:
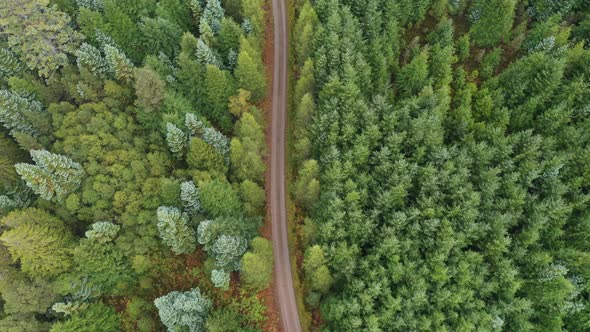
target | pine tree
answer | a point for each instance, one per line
(176, 139)
(220, 279)
(183, 311)
(90, 57)
(194, 125)
(103, 231)
(189, 193)
(119, 64)
(249, 71)
(175, 231)
(53, 175)
(205, 55)
(9, 64)
(21, 114)
(95, 5)
(43, 250)
(217, 140)
(213, 14)
(228, 250)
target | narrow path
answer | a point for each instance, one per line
(283, 278)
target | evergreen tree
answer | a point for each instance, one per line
(119, 64)
(190, 197)
(176, 139)
(9, 64)
(175, 230)
(212, 15)
(256, 266)
(53, 175)
(492, 21)
(220, 279)
(249, 71)
(194, 125)
(22, 114)
(183, 311)
(205, 55)
(97, 317)
(41, 244)
(90, 57)
(103, 231)
(204, 157)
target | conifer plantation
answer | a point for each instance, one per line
(441, 155)
(131, 165)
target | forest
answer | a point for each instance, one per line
(132, 148)
(440, 155)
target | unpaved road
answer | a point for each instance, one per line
(289, 315)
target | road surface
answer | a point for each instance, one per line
(289, 315)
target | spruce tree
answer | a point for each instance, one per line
(189, 193)
(220, 279)
(176, 139)
(103, 231)
(90, 57)
(213, 14)
(175, 230)
(43, 250)
(53, 175)
(9, 64)
(184, 311)
(194, 125)
(119, 64)
(22, 114)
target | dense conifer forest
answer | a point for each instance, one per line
(131, 165)
(438, 156)
(442, 161)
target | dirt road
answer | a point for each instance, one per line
(283, 278)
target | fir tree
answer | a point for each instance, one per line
(194, 125)
(220, 279)
(21, 114)
(205, 55)
(53, 175)
(213, 14)
(186, 311)
(103, 231)
(9, 64)
(90, 57)
(176, 139)
(119, 64)
(175, 231)
(218, 141)
(190, 197)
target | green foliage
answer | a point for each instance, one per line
(223, 320)
(253, 11)
(40, 35)
(22, 114)
(247, 149)
(316, 271)
(204, 157)
(150, 89)
(96, 318)
(103, 231)
(413, 77)
(303, 32)
(492, 21)
(219, 199)
(307, 186)
(53, 175)
(257, 264)
(250, 73)
(39, 242)
(186, 310)
(177, 142)
(119, 64)
(219, 86)
(175, 230)
(220, 279)
(189, 194)
(253, 198)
